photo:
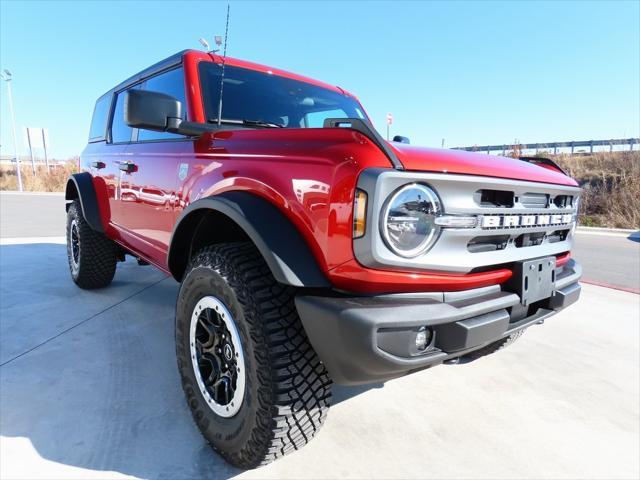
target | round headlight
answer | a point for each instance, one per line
(408, 220)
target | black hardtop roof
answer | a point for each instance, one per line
(165, 64)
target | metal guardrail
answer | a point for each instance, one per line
(554, 145)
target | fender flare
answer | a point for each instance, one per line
(80, 186)
(277, 239)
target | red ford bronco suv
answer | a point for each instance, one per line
(309, 249)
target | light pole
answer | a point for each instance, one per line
(6, 76)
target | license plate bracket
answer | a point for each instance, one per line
(534, 280)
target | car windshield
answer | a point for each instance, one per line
(254, 99)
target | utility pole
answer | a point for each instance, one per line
(6, 76)
(44, 145)
(33, 161)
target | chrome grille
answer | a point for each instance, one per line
(534, 200)
(464, 249)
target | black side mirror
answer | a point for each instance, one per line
(401, 139)
(159, 112)
(151, 110)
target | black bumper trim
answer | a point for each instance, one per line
(344, 331)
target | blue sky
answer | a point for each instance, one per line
(468, 72)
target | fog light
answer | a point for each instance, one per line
(423, 338)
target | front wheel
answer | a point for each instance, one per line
(254, 384)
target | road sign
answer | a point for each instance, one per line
(389, 118)
(37, 138)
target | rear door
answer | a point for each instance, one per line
(150, 168)
(101, 158)
(116, 178)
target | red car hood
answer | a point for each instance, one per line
(472, 163)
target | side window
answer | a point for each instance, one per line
(100, 117)
(120, 131)
(316, 119)
(170, 83)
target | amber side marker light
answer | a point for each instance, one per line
(359, 213)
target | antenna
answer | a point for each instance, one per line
(224, 58)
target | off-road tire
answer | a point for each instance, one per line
(287, 390)
(97, 256)
(495, 346)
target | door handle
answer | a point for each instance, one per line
(98, 165)
(128, 167)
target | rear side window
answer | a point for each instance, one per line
(120, 131)
(169, 83)
(99, 120)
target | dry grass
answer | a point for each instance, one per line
(611, 187)
(610, 183)
(54, 181)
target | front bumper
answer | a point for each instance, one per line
(369, 339)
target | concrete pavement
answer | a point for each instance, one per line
(89, 389)
(89, 386)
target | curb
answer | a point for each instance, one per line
(609, 232)
(605, 229)
(31, 240)
(15, 192)
(611, 286)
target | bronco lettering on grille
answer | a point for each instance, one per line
(512, 221)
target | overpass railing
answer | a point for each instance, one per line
(554, 146)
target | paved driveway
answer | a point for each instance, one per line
(89, 389)
(89, 386)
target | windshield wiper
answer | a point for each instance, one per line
(248, 123)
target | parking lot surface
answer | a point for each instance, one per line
(89, 389)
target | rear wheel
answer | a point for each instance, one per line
(91, 255)
(254, 384)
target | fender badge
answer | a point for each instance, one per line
(182, 172)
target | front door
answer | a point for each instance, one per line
(149, 175)
(148, 181)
